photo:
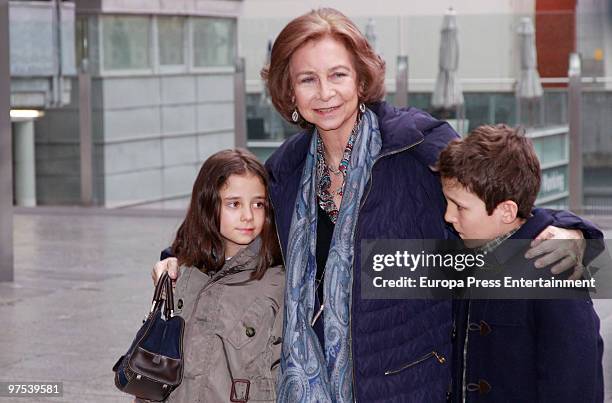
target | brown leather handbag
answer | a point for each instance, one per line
(153, 366)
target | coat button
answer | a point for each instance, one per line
(250, 332)
(482, 387)
(179, 304)
(485, 328)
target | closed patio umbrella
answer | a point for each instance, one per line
(448, 95)
(273, 124)
(528, 87)
(370, 34)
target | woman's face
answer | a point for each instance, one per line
(324, 83)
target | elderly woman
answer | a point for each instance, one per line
(360, 169)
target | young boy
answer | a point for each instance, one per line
(513, 350)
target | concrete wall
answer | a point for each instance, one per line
(491, 57)
(487, 37)
(41, 52)
(57, 156)
(158, 131)
(151, 135)
(152, 128)
(186, 7)
(58, 151)
(293, 8)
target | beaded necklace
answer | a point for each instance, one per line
(325, 197)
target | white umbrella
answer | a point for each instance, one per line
(264, 99)
(529, 85)
(370, 34)
(447, 93)
(273, 124)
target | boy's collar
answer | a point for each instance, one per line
(491, 245)
(521, 237)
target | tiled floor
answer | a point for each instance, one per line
(81, 287)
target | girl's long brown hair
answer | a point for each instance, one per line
(198, 241)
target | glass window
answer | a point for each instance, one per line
(214, 42)
(171, 40)
(126, 42)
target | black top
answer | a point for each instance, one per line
(325, 230)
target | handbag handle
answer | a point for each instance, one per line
(163, 291)
(169, 305)
(159, 287)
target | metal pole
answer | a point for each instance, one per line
(6, 151)
(86, 142)
(57, 62)
(401, 82)
(240, 129)
(575, 132)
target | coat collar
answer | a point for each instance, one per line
(397, 127)
(521, 239)
(245, 259)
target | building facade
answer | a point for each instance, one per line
(162, 94)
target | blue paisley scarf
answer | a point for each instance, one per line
(308, 372)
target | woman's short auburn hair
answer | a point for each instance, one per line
(313, 26)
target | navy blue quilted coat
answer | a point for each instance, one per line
(403, 200)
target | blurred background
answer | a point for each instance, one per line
(109, 107)
(116, 103)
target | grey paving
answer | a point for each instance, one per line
(81, 287)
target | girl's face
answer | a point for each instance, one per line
(324, 83)
(242, 211)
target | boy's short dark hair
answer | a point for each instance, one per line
(496, 163)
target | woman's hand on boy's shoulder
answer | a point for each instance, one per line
(169, 265)
(565, 247)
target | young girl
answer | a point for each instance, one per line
(228, 292)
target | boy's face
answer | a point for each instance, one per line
(468, 215)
